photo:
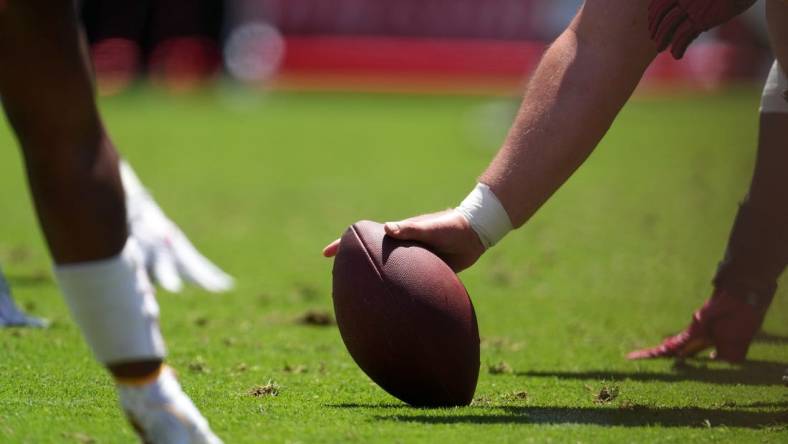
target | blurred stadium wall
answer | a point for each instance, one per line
(471, 46)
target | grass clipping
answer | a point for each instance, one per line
(269, 389)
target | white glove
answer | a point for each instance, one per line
(10, 314)
(169, 256)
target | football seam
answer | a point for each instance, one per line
(375, 267)
(369, 257)
(379, 272)
(386, 288)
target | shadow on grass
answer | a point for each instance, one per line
(635, 416)
(770, 338)
(748, 373)
(353, 405)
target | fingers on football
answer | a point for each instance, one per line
(331, 249)
(684, 36)
(408, 230)
(430, 228)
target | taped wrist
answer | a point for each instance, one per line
(775, 92)
(113, 303)
(486, 214)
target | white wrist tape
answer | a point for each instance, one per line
(487, 216)
(775, 92)
(113, 303)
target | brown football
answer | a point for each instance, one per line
(405, 318)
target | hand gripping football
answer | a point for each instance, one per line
(405, 318)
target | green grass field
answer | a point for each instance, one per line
(617, 260)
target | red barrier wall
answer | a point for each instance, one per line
(466, 65)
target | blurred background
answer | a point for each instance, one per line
(261, 176)
(470, 46)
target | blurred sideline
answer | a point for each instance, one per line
(424, 46)
(473, 66)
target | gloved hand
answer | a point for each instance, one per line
(170, 257)
(679, 22)
(725, 322)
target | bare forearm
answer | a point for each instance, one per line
(575, 94)
(582, 82)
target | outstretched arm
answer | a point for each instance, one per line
(581, 84)
(583, 80)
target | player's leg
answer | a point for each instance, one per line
(47, 96)
(72, 168)
(73, 174)
(757, 251)
(756, 255)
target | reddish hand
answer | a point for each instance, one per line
(725, 322)
(679, 22)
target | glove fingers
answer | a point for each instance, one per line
(197, 269)
(165, 272)
(657, 10)
(684, 36)
(698, 9)
(667, 29)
